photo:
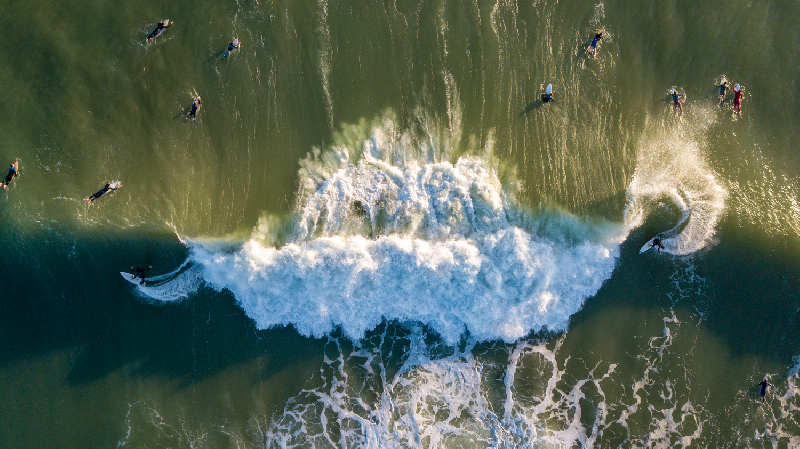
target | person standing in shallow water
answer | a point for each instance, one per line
(592, 48)
(677, 102)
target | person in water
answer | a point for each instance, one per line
(593, 45)
(737, 99)
(547, 97)
(195, 108)
(106, 188)
(233, 45)
(677, 101)
(723, 86)
(139, 273)
(657, 243)
(164, 24)
(762, 393)
(12, 173)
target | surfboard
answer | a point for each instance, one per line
(133, 279)
(548, 89)
(647, 246)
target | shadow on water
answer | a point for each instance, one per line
(534, 106)
(85, 306)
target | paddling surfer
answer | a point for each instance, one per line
(195, 107)
(677, 101)
(106, 188)
(163, 25)
(592, 48)
(723, 86)
(737, 99)
(762, 393)
(12, 173)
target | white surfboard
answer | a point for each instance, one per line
(133, 279)
(549, 89)
(647, 246)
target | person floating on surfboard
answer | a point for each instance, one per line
(723, 86)
(677, 101)
(762, 393)
(233, 46)
(106, 188)
(139, 273)
(737, 99)
(163, 25)
(657, 243)
(593, 45)
(547, 96)
(195, 107)
(12, 173)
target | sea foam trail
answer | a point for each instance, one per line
(671, 168)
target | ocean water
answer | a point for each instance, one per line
(375, 235)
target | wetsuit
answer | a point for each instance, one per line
(157, 32)
(547, 98)
(722, 88)
(195, 107)
(763, 392)
(101, 192)
(595, 41)
(232, 47)
(12, 171)
(737, 101)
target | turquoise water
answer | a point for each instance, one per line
(375, 235)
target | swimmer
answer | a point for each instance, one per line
(723, 86)
(163, 25)
(195, 107)
(593, 45)
(106, 188)
(12, 173)
(737, 99)
(677, 102)
(657, 243)
(763, 391)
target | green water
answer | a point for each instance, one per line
(88, 362)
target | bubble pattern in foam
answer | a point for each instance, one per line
(432, 242)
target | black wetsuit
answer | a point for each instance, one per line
(722, 88)
(139, 271)
(195, 107)
(157, 32)
(657, 242)
(764, 384)
(101, 192)
(232, 47)
(12, 171)
(547, 98)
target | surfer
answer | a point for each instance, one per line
(195, 107)
(723, 86)
(233, 45)
(547, 96)
(139, 273)
(657, 243)
(106, 188)
(677, 102)
(163, 25)
(593, 45)
(12, 173)
(763, 392)
(737, 99)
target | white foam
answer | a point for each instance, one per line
(671, 167)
